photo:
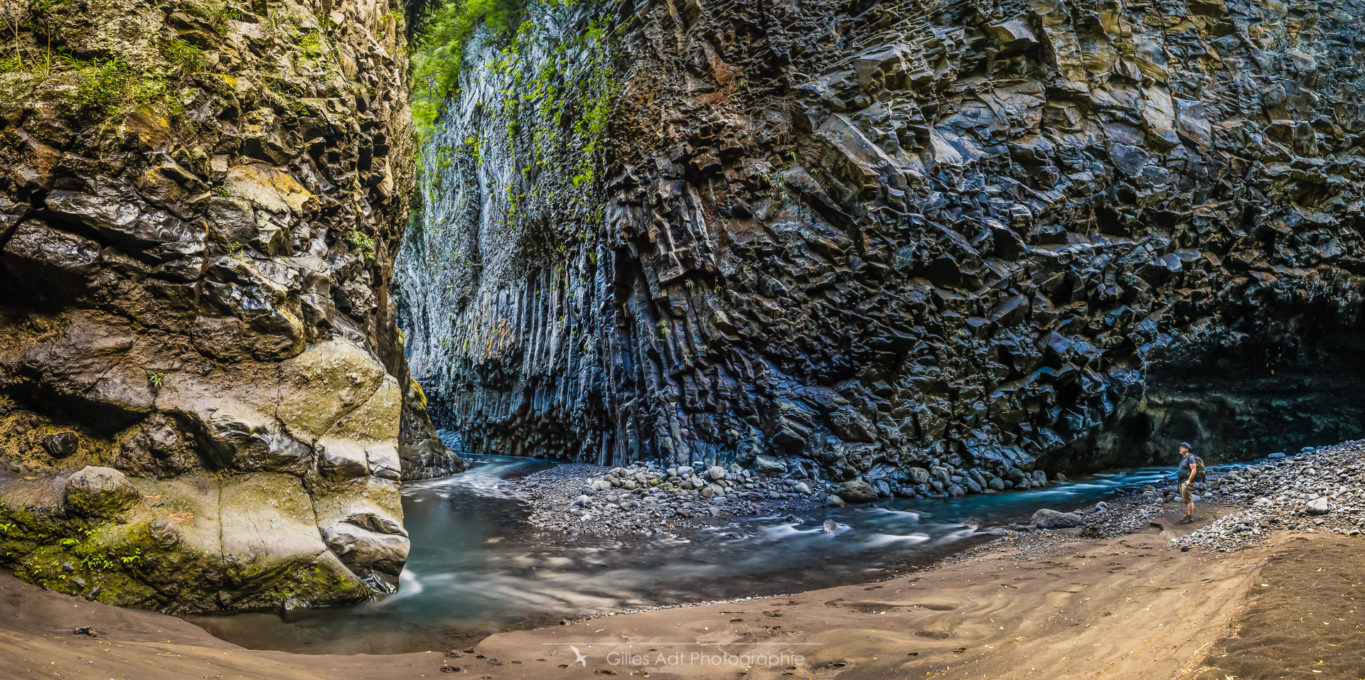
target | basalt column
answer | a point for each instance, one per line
(879, 238)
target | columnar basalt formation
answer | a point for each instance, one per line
(202, 389)
(929, 243)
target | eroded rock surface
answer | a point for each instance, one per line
(203, 399)
(930, 245)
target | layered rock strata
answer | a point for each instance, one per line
(203, 400)
(866, 237)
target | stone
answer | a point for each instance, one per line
(974, 298)
(856, 491)
(716, 473)
(1318, 506)
(835, 501)
(99, 492)
(1052, 519)
(61, 445)
(769, 465)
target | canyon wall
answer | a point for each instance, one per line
(878, 238)
(203, 400)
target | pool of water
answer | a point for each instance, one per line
(475, 569)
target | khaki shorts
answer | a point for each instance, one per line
(1186, 493)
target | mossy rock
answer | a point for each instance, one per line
(99, 492)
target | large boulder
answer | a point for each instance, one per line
(1051, 519)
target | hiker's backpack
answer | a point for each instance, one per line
(1198, 469)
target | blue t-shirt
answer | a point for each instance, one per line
(1185, 464)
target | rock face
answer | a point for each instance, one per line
(871, 237)
(203, 398)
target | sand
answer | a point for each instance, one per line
(1126, 607)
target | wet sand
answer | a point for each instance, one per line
(1126, 607)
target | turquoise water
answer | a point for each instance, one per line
(474, 569)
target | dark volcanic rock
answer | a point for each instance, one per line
(62, 444)
(855, 491)
(200, 205)
(1052, 519)
(879, 236)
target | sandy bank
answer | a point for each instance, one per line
(1038, 607)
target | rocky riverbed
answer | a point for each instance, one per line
(644, 499)
(1314, 491)
(1320, 489)
(652, 498)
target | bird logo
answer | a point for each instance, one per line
(581, 660)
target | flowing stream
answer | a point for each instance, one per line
(476, 569)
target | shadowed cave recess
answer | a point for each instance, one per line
(861, 238)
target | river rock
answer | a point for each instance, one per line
(857, 491)
(1318, 506)
(1052, 519)
(716, 473)
(62, 444)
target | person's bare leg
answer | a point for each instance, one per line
(1189, 510)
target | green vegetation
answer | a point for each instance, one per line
(184, 56)
(156, 380)
(362, 243)
(439, 54)
(111, 86)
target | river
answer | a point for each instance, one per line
(476, 569)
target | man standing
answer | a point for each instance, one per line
(1189, 465)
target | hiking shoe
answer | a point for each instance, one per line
(1187, 520)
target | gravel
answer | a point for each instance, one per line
(1318, 490)
(645, 499)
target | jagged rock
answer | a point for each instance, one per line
(62, 444)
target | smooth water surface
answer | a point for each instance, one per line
(475, 568)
